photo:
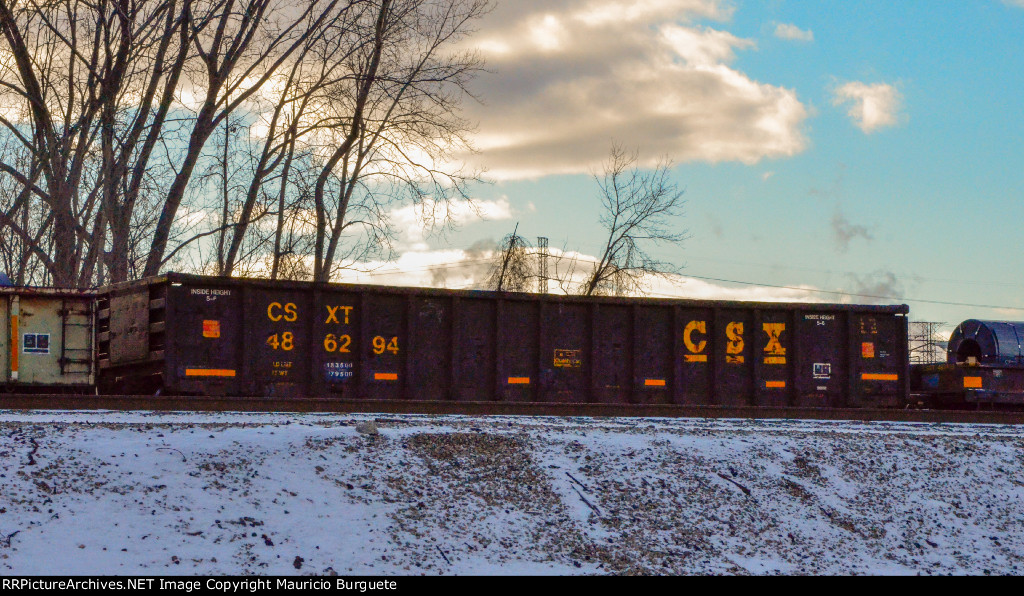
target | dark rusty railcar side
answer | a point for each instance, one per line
(221, 336)
(984, 368)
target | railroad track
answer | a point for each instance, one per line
(172, 403)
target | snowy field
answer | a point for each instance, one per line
(139, 493)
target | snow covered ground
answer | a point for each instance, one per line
(141, 493)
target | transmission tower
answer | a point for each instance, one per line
(542, 265)
(926, 344)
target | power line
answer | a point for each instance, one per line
(850, 273)
(723, 280)
(852, 294)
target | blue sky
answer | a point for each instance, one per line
(871, 148)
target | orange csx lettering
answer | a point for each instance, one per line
(332, 313)
(290, 312)
(695, 349)
(775, 353)
(734, 349)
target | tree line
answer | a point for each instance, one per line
(252, 137)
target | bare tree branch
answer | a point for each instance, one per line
(639, 208)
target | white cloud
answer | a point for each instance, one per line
(598, 12)
(414, 222)
(872, 107)
(699, 289)
(570, 76)
(704, 47)
(548, 33)
(880, 287)
(793, 33)
(468, 268)
(448, 268)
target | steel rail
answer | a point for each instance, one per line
(175, 403)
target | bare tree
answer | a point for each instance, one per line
(392, 125)
(24, 253)
(110, 161)
(289, 117)
(514, 266)
(86, 89)
(240, 49)
(638, 209)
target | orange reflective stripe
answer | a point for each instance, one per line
(519, 380)
(209, 373)
(385, 376)
(879, 377)
(15, 345)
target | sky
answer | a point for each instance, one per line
(867, 151)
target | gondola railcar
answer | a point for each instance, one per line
(186, 334)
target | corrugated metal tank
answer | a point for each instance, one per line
(216, 336)
(987, 342)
